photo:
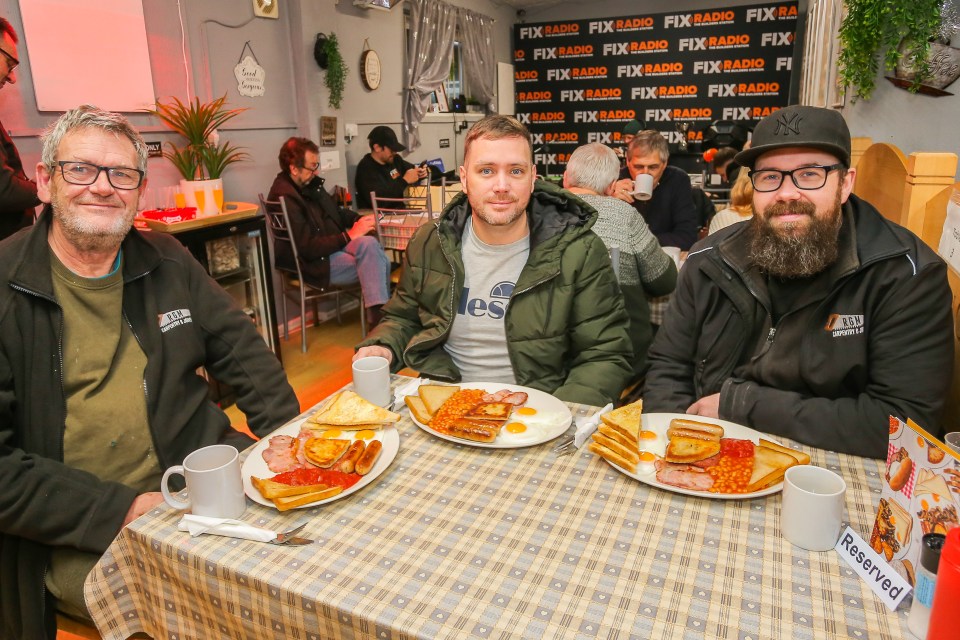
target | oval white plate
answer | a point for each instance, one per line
(660, 422)
(254, 464)
(534, 435)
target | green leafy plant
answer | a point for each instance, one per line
(204, 156)
(336, 77)
(894, 30)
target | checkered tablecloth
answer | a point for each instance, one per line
(459, 542)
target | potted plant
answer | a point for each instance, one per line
(895, 30)
(326, 52)
(202, 161)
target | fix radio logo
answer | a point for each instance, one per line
(551, 158)
(769, 14)
(667, 115)
(777, 39)
(650, 69)
(605, 137)
(549, 30)
(526, 76)
(556, 117)
(557, 53)
(675, 137)
(665, 91)
(743, 89)
(840, 325)
(578, 73)
(563, 137)
(635, 47)
(713, 43)
(581, 95)
(747, 113)
(620, 26)
(702, 19)
(730, 65)
(534, 96)
(605, 115)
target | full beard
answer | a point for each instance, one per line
(792, 251)
(93, 236)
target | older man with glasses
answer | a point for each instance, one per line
(335, 244)
(102, 331)
(818, 319)
(18, 193)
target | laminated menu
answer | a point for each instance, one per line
(921, 494)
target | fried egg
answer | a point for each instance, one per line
(651, 442)
(529, 425)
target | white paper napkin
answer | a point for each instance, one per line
(586, 425)
(407, 389)
(197, 525)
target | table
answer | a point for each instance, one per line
(459, 542)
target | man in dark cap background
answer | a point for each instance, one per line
(382, 170)
(817, 320)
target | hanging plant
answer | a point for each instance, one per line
(894, 30)
(326, 51)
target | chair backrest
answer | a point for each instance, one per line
(396, 219)
(881, 177)
(417, 196)
(278, 223)
(448, 190)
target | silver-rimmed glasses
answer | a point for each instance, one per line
(86, 173)
(808, 178)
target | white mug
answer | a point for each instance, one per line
(643, 186)
(214, 485)
(812, 511)
(953, 440)
(371, 380)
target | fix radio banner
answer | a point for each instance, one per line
(580, 81)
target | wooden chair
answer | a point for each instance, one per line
(292, 282)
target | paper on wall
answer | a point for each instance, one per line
(950, 240)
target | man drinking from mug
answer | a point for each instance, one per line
(816, 320)
(102, 330)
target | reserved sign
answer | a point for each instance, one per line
(872, 569)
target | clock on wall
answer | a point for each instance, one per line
(370, 69)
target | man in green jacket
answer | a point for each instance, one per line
(510, 285)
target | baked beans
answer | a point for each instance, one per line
(456, 407)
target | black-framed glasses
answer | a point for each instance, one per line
(86, 173)
(807, 178)
(311, 167)
(12, 63)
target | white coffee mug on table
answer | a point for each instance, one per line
(214, 484)
(371, 380)
(643, 186)
(812, 512)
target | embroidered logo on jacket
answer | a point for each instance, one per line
(840, 325)
(174, 319)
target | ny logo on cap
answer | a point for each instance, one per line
(788, 124)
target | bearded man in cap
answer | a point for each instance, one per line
(818, 319)
(382, 170)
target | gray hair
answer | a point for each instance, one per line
(89, 117)
(647, 142)
(593, 166)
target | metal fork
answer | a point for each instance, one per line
(286, 536)
(567, 445)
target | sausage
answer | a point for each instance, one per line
(369, 457)
(471, 430)
(691, 433)
(694, 425)
(349, 460)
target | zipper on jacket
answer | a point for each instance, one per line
(697, 379)
(146, 391)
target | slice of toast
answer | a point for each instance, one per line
(618, 437)
(271, 489)
(418, 409)
(347, 408)
(292, 502)
(684, 450)
(769, 465)
(624, 452)
(434, 395)
(612, 456)
(801, 457)
(626, 420)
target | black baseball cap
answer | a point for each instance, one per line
(799, 126)
(385, 137)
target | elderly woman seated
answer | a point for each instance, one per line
(644, 269)
(741, 204)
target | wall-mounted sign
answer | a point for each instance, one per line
(369, 67)
(154, 150)
(328, 131)
(250, 75)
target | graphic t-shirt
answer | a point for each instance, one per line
(477, 341)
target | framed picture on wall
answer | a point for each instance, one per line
(440, 95)
(328, 131)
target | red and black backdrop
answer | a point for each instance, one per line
(579, 81)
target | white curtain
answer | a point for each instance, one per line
(476, 52)
(432, 30)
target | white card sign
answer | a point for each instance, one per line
(250, 77)
(873, 569)
(949, 248)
